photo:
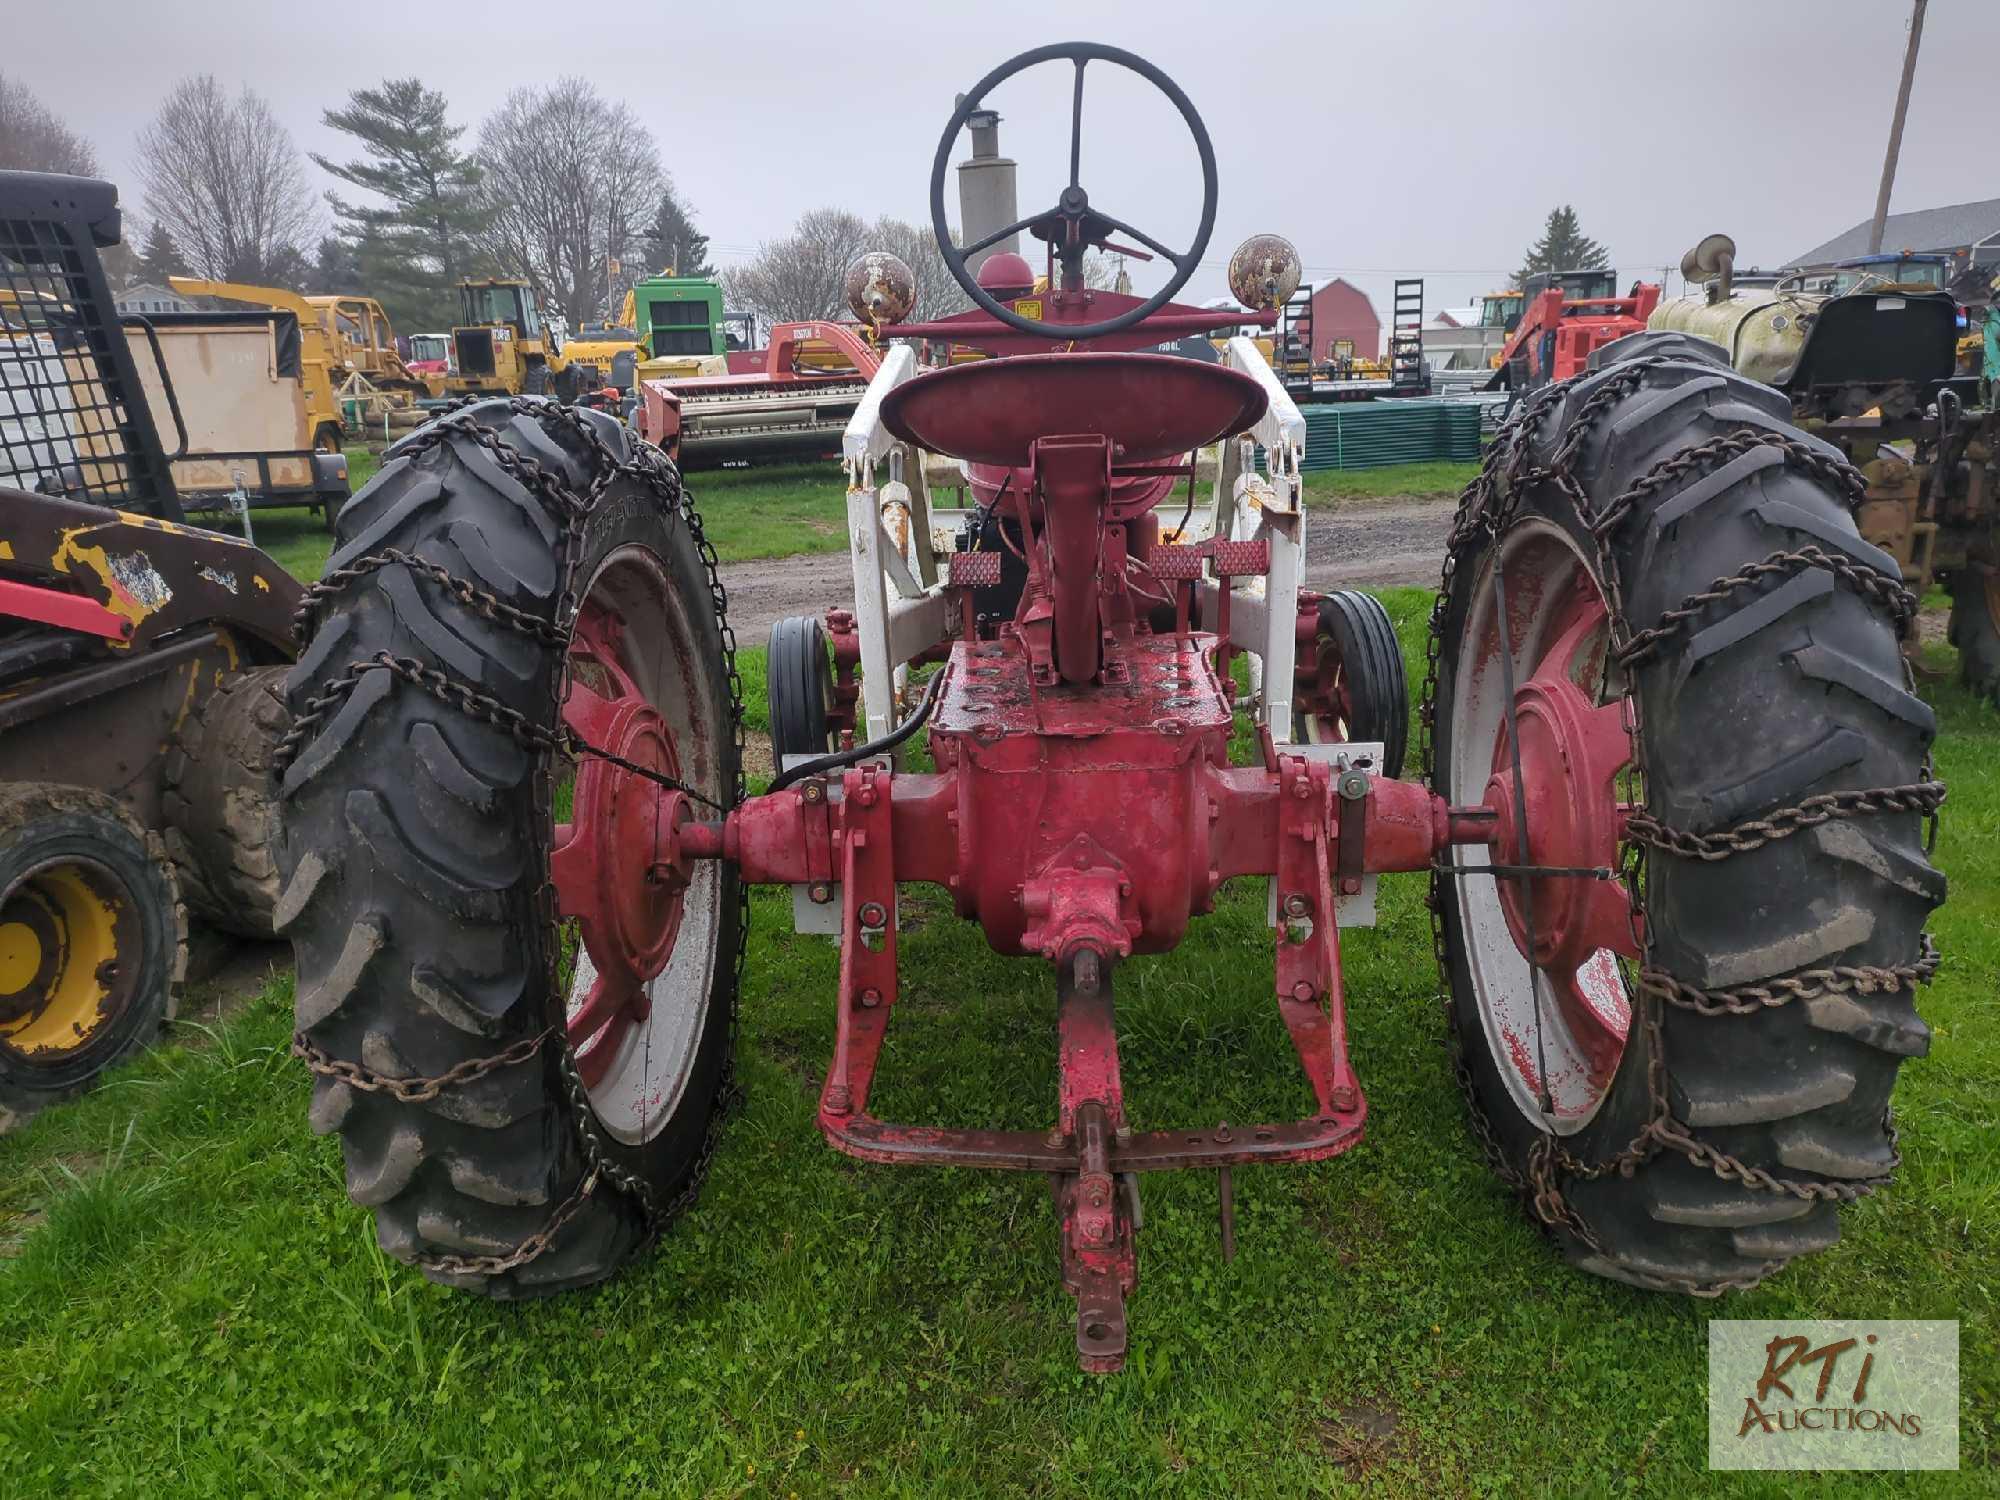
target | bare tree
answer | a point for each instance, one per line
(32, 139)
(225, 180)
(571, 180)
(801, 276)
(938, 293)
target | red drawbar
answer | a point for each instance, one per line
(1085, 823)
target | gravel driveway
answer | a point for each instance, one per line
(1368, 544)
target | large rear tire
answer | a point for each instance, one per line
(1695, 1124)
(93, 942)
(419, 890)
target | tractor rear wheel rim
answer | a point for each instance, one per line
(1559, 1022)
(69, 967)
(645, 928)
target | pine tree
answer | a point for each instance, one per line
(160, 257)
(672, 241)
(289, 267)
(121, 266)
(1562, 247)
(411, 253)
(336, 270)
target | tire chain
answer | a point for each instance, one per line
(1809, 984)
(414, 1090)
(568, 510)
(1486, 510)
(1888, 593)
(1924, 797)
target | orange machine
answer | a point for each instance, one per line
(1568, 315)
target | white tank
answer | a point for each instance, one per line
(1762, 330)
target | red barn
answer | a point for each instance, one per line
(1341, 310)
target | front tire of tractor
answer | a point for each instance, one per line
(798, 679)
(1360, 667)
(221, 802)
(535, 380)
(1975, 630)
(93, 942)
(419, 838)
(1694, 1125)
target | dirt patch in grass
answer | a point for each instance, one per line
(1933, 626)
(18, 1223)
(1363, 1436)
(1348, 1229)
(225, 974)
(15, 1229)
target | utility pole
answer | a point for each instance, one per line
(1896, 127)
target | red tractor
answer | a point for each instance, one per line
(1567, 317)
(1672, 815)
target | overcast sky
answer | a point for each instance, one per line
(1381, 138)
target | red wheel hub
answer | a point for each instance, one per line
(1571, 753)
(616, 864)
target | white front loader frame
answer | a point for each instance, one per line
(899, 539)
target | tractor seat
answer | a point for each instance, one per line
(1151, 406)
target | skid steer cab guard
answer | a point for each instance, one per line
(519, 954)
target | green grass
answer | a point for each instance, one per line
(776, 510)
(788, 510)
(1422, 481)
(192, 1307)
(797, 509)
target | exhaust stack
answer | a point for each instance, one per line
(986, 189)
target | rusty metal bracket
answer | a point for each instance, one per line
(1353, 789)
(1310, 994)
(868, 946)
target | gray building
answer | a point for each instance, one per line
(1967, 232)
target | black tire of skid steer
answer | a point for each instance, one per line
(42, 823)
(1976, 633)
(221, 802)
(412, 857)
(1812, 699)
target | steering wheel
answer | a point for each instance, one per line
(1073, 224)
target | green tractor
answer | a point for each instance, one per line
(683, 329)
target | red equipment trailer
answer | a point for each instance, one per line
(1569, 316)
(1679, 942)
(783, 406)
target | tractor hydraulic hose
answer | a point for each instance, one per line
(860, 753)
(986, 511)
